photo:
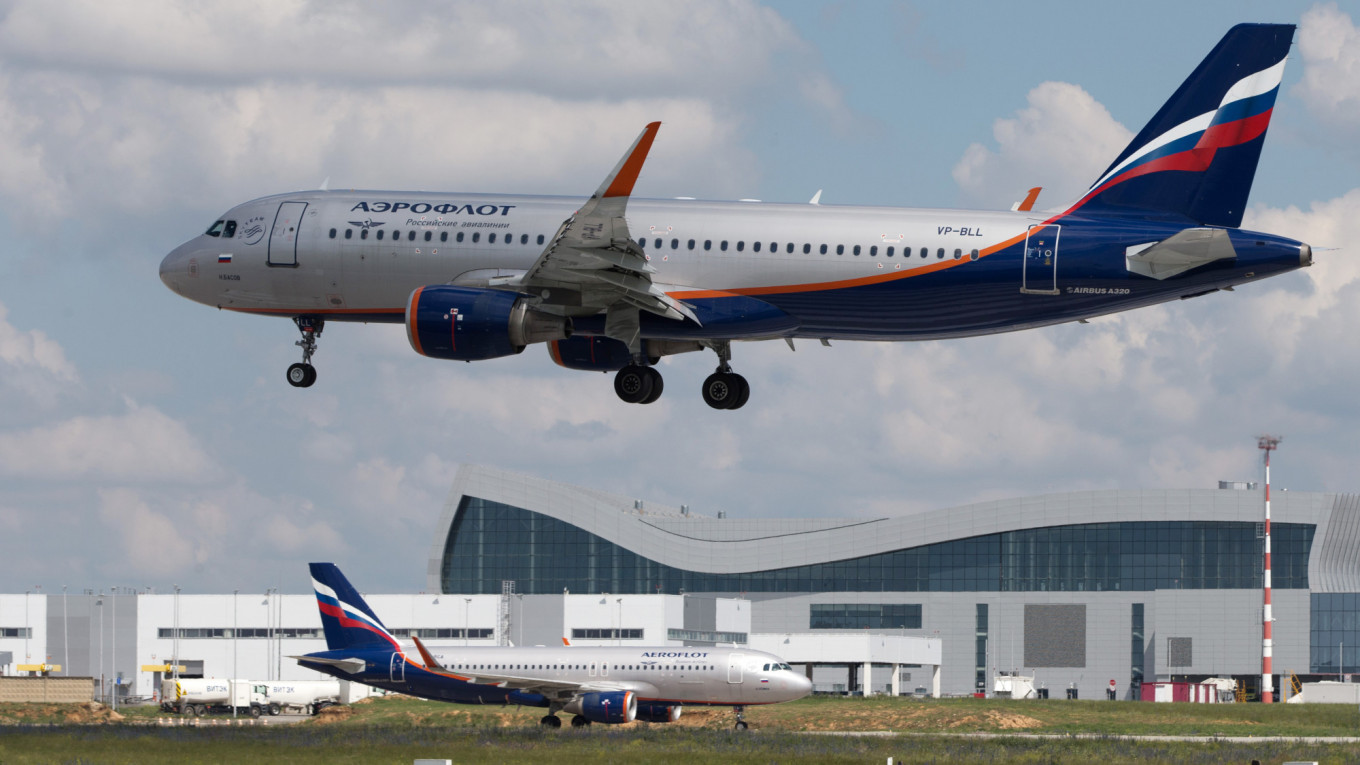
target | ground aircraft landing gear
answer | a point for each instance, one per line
(551, 721)
(637, 384)
(725, 389)
(304, 374)
(741, 723)
(580, 722)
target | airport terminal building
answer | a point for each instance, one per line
(1083, 590)
(1077, 589)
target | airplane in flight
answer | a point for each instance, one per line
(610, 283)
(604, 684)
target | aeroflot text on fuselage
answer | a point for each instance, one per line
(614, 284)
(424, 207)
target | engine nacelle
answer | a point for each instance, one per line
(471, 324)
(658, 713)
(609, 707)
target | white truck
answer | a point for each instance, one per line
(202, 696)
(302, 696)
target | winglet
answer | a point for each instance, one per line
(1028, 203)
(816, 198)
(425, 655)
(566, 642)
(625, 174)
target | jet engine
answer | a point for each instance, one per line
(658, 713)
(470, 324)
(605, 354)
(607, 707)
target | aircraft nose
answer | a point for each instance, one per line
(800, 686)
(174, 268)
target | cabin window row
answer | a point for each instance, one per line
(790, 248)
(428, 236)
(667, 667)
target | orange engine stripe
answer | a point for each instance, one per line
(411, 321)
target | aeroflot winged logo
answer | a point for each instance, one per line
(366, 223)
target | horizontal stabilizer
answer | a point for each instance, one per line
(351, 666)
(1189, 249)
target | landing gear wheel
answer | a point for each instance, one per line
(726, 390)
(741, 713)
(301, 375)
(658, 385)
(634, 384)
(580, 722)
(551, 721)
(741, 725)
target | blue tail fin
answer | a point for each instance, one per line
(347, 619)
(1197, 156)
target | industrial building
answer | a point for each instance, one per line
(1084, 591)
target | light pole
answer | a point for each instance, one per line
(1267, 444)
(100, 603)
(113, 638)
(467, 604)
(235, 631)
(65, 643)
(27, 657)
(174, 669)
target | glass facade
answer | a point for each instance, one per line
(865, 616)
(1335, 631)
(490, 542)
(980, 659)
(1136, 649)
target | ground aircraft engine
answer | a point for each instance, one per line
(608, 707)
(658, 713)
(470, 324)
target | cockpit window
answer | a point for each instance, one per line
(229, 230)
(216, 228)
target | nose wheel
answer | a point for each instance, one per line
(638, 384)
(304, 374)
(741, 723)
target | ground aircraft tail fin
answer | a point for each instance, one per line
(346, 618)
(1197, 157)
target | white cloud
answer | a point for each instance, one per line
(150, 543)
(144, 444)
(1330, 46)
(32, 365)
(1061, 141)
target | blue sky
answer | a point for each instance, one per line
(146, 440)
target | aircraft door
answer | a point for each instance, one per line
(1039, 275)
(284, 237)
(396, 671)
(734, 667)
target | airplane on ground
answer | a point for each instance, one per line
(613, 284)
(604, 684)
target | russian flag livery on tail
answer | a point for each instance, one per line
(604, 684)
(611, 283)
(1197, 157)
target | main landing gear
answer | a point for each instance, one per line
(724, 389)
(741, 713)
(551, 721)
(304, 374)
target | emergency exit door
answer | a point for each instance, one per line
(1039, 274)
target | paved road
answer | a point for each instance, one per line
(1107, 737)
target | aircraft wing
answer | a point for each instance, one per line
(560, 689)
(595, 260)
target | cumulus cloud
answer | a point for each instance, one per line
(143, 444)
(1061, 141)
(34, 366)
(1330, 46)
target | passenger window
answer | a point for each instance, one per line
(459, 236)
(840, 249)
(741, 245)
(789, 248)
(540, 239)
(490, 238)
(230, 230)
(940, 253)
(958, 254)
(708, 244)
(477, 236)
(642, 243)
(443, 236)
(691, 244)
(363, 234)
(349, 233)
(973, 255)
(873, 250)
(924, 251)
(723, 245)
(856, 250)
(807, 248)
(755, 246)
(657, 244)
(332, 233)
(411, 235)
(675, 244)
(380, 234)
(823, 249)
(523, 238)
(429, 235)
(216, 228)
(890, 251)
(774, 246)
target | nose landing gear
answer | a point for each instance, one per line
(304, 374)
(741, 713)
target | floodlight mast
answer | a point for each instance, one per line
(1267, 444)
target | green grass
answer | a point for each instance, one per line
(402, 729)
